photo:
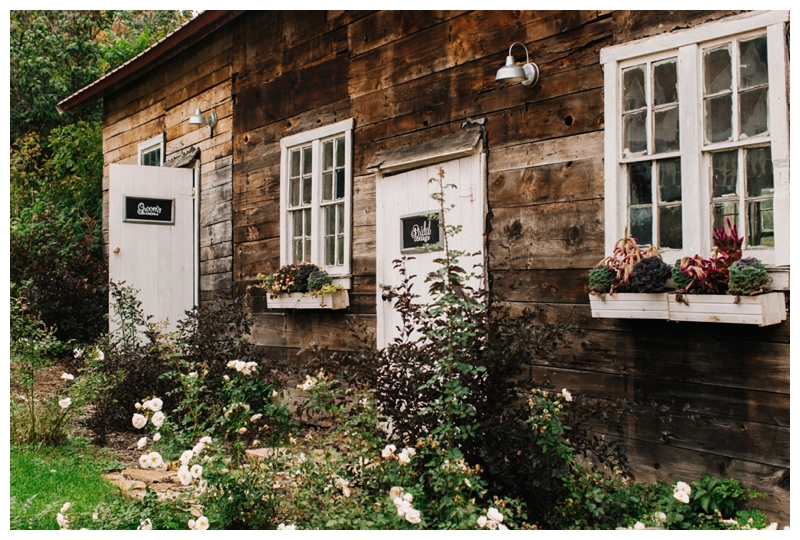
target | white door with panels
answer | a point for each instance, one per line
(151, 237)
(406, 219)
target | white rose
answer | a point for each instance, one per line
(205, 440)
(137, 405)
(408, 497)
(283, 527)
(231, 364)
(482, 522)
(191, 523)
(78, 353)
(199, 447)
(100, 355)
(403, 458)
(184, 475)
(638, 526)
(67, 377)
(154, 460)
(226, 377)
(256, 417)
(242, 430)
(186, 457)
(156, 404)
(142, 443)
(64, 403)
(202, 523)
(143, 462)
(683, 486)
(501, 527)
(145, 525)
(494, 515)
(660, 516)
(158, 419)
(196, 470)
(62, 521)
(192, 375)
(682, 496)
(566, 394)
(395, 492)
(65, 507)
(410, 451)
(157, 437)
(388, 450)
(413, 516)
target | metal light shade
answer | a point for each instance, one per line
(511, 72)
(197, 119)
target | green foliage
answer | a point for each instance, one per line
(601, 279)
(318, 279)
(42, 479)
(748, 276)
(650, 275)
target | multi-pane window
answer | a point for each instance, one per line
(316, 182)
(151, 152)
(651, 152)
(735, 115)
(697, 134)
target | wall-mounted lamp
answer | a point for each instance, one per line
(511, 72)
(197, 119)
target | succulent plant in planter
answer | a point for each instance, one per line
(710, 276)
(318, 279)
(650, 275)
(601, 279)
(303, 272)
(748, 277)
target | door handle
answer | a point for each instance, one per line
(385, 296)
(116, 250)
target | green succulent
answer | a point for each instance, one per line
(748, 277)
(601, 279)
(318, 279)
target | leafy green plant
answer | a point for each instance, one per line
(601, 279)
(748, 277)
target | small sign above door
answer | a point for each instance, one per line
(420, 230)
(147, 210)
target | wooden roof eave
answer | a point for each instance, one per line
(179, 40)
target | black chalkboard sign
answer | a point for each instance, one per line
(147, 210)
(420, 230)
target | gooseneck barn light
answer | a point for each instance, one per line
(197, 119)
(511, 72)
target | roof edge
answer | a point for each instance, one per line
(186, 35)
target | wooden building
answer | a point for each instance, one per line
(328, 125)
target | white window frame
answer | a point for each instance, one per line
(688, 45)
(316, 137)
(149, 145)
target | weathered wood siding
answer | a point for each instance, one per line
(162, 102)
(408, 77)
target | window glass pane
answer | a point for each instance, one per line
(307, 219)
(295, 159)
(340, 219)
(718, 119)
(641, 225)
(307, 246)
(670, 227)
(306, 190)
(753, 62)
(639, 182)
(634, 133)
(725, 166)
(665, 83)
(723, 211)
(307, 160)
(760, 225)
(327, 186)
(327, 155)
(330, 220)
(753, 112)
(669, 180)
(339, 183)
(717, 71)
(633, 96)
(297, 224)
(340, 152)
(759, 171)
(340, 243)
(294, 192)
(297, 251)
(330, 246)
(666, 130)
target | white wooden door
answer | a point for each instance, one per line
(406, 197)
(151, 241)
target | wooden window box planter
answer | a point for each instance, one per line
(762, 309)
(337, 300)
(629, 306)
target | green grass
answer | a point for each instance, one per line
(43, 479)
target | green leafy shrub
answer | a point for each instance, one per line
(748, 276)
